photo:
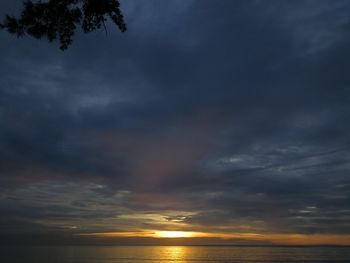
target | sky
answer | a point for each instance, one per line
(211, 121)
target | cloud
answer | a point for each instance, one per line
(205, 116)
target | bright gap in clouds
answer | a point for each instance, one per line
(173, 234)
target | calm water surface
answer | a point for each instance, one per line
(156, 254)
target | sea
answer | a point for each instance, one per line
(178, 254)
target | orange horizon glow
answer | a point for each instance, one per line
(274, 239)
(174, 234)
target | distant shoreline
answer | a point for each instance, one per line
(166, 245)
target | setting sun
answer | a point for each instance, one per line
(173, 234)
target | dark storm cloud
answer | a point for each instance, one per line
(230, 113)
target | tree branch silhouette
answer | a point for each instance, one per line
(58, 19)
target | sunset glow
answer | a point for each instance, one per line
(231, 238)
(174, 234)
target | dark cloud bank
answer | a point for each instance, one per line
(224, 116)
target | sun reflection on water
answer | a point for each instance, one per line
(175, 253)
